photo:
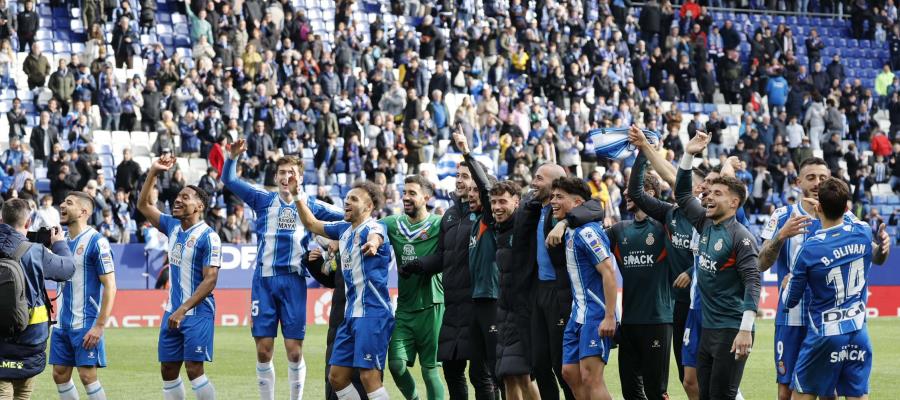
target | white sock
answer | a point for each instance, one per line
(203, 388)
(380, 394)
(265, 377)
(348, 393)
(95, 391)
(297, 378)
(739, 396)
(173, 390)
(67, 391)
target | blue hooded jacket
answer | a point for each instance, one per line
(24, 356)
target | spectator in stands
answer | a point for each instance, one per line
(6, 22)
(210, 183)
(125, 43)
(17, 119)
(36, 67)
(109, 229)
(27, 22)
(127, 173)
(62, 83)
(110, 106)
(23, 174)
(230, 231)
(777, 90)
(13, 156)
(132, 100)
(28, 191)
(63, 183)
(46, 216)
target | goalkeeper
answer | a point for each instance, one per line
(420, 305)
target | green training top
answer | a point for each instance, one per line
(640, 251)
(411, 241)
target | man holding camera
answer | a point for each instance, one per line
(24, 333)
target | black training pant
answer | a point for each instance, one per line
(546, 342)
(718, 373)
(455, 375)
(644, 360)
(483, 339)
(679, 319)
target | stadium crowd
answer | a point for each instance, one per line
(535, 80)
(524, 83)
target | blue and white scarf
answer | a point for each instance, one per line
(612, 143)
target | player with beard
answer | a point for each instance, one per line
(728, 280)
(77, 340)
(788, 228)
(361, 342)
(195, 255)
(278, 291)
(420, 301)
(451, 259)
(551, 299)
(485, 277)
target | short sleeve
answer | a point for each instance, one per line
(594, 245)
(167, 223)
(104, 257)
(213, 251)
(776, 221)
(334, 230)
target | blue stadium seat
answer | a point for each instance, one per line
(43, 185)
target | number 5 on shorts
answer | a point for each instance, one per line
(254, 308)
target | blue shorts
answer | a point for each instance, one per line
(362, 342)
(274, 299)
(788, 341)
(582, 341)
(834, 364)
(66, 349)
(192, 341)
(691, 341)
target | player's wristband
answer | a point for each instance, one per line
(687, 162)
(747, 320)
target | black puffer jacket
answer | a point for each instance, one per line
(452, 259)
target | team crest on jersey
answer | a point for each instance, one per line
(718, 245)
(650, 239)
(287, 219)
(80, 250)
(424, 235)
(409, 250)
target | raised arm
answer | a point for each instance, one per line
(655, 208)
(662, 167)
(242, 189)
(307, 218)
(693, 210)
(478, 175)
(146, 208)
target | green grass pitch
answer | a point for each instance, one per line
(133, 371)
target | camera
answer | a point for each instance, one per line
(41, 236)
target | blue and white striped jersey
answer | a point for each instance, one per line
(784, 264)
(365, 277)
(80, 297)
(834, 265)
(190, 251)
(587, 246)
(282, 239)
